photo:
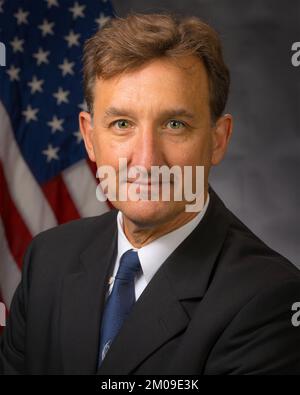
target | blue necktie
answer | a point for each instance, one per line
(120, 301)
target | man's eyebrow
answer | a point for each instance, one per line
(114, 111)
(175, 112)
(169, 113)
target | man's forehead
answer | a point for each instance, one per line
(188, 66)
(168, 93)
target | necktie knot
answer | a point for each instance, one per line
(129, 266)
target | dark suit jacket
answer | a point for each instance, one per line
(220, 304)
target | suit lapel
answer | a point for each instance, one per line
(159, 314)
(82, 301)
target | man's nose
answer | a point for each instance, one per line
(147, 150)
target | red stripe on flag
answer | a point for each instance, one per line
(17, 234)
(60, 200)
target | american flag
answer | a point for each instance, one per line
(45, 176)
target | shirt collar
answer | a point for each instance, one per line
(155, 253)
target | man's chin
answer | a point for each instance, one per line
(147, 213)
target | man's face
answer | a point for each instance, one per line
(156, 115)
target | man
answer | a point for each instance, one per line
(151, 288)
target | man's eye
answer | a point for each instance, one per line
(121, 124)
(175, 124)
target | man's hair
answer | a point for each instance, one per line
(125, 44)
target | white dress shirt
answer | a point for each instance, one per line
(153, 255)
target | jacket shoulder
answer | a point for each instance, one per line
(80, 230)
(57, 250)
(251, 260)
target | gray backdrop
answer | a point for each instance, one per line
(259, 178)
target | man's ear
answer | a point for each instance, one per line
(86, 129)
(221, 136)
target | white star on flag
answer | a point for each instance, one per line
(1, 5)
(78, 136)
(56, 124)
(77, 10)
(102, 20)
(21, 16)
(52, 3)
(13, 73)
(17, 45)
(67, 67)
(61, 96)
(46, 27)
(72, 39)
(36, 85)
(41, 56)
(51, 153)
(30, 114)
